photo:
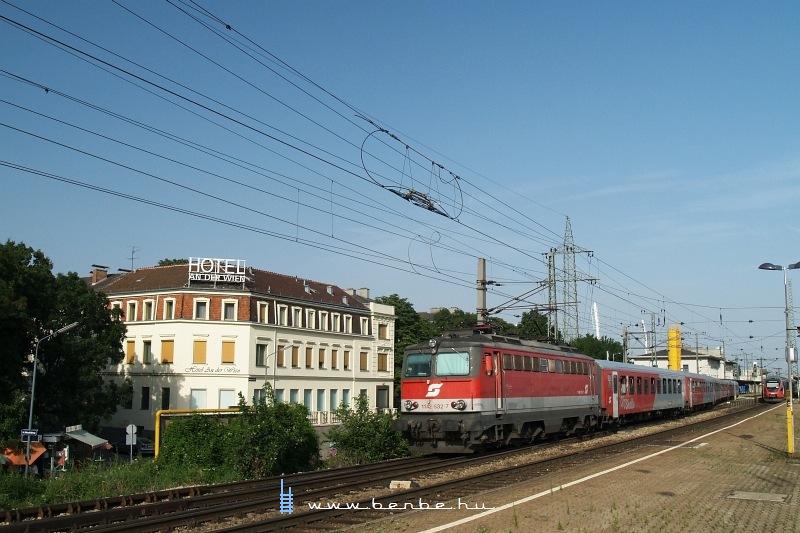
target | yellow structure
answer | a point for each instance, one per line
(674, 345)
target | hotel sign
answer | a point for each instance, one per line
(217, 270)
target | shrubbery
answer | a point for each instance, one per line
(365, 436)
(267, 439)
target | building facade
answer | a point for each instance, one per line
(203, 333)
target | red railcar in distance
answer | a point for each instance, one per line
(774, 389)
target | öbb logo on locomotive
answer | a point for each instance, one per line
(434, 389)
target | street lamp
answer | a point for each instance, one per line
(33, 390)
(789, 351)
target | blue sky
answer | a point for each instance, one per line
(666, 132)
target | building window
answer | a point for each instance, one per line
(116, 311)
(348, 324)
(228, 348)
(147, 352)
(383, 362)
(165, 398)
(320, 399)
(334, 399)
(364, 358)
(227, 398)
(130, 352)
(261, 355)
(278, 395)
(263, 312)
(297, 317)
(281, 356)
(346, 360)
(169, 309)
(383, 332)
(167, 351)
(229, 309)
(323, 321)
(309, 356)
(336, 324)
(201, 309)
(130, 316)
(145, 405)
(283, 315)
(346, 397)
(307, 393)
(382, 398)
(364, 326)
(334, 359)
(311, 319)
(295, 357)
(258, 395)
(294, 395)
(128, 403)
(199, 352)
(147, 312)
(321, 361)
(197, 398)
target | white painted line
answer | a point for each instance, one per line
(581, 480)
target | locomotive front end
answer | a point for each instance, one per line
(439, 397)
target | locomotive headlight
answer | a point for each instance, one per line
(459, 404)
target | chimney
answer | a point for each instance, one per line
(363, 292)
(99, 273)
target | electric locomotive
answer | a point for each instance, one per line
(472, 389)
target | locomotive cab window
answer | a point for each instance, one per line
(452, 364)
(543, 365)
(418, 365)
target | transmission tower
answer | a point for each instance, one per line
(569, 283)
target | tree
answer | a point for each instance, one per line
(598, 348)
(533, 326)
(69, 386)
(364, 436)
(168, 262)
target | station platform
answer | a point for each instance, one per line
(737, 479)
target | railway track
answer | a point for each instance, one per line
(255, 505)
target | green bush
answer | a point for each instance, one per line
(364, 436)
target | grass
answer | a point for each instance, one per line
(94, 481)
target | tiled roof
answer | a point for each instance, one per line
(176, 277)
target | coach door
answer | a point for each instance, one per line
(614, 394)
(499, 384)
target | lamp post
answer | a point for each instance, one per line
(33, 391)
(789, 352)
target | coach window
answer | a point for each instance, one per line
(527, 364)
(559, 366)
(646, 388)
(452, 364)
(418, 364)
(623, 385)
(653, 385)
(631, 390)
(638, 385)
(535, 364)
